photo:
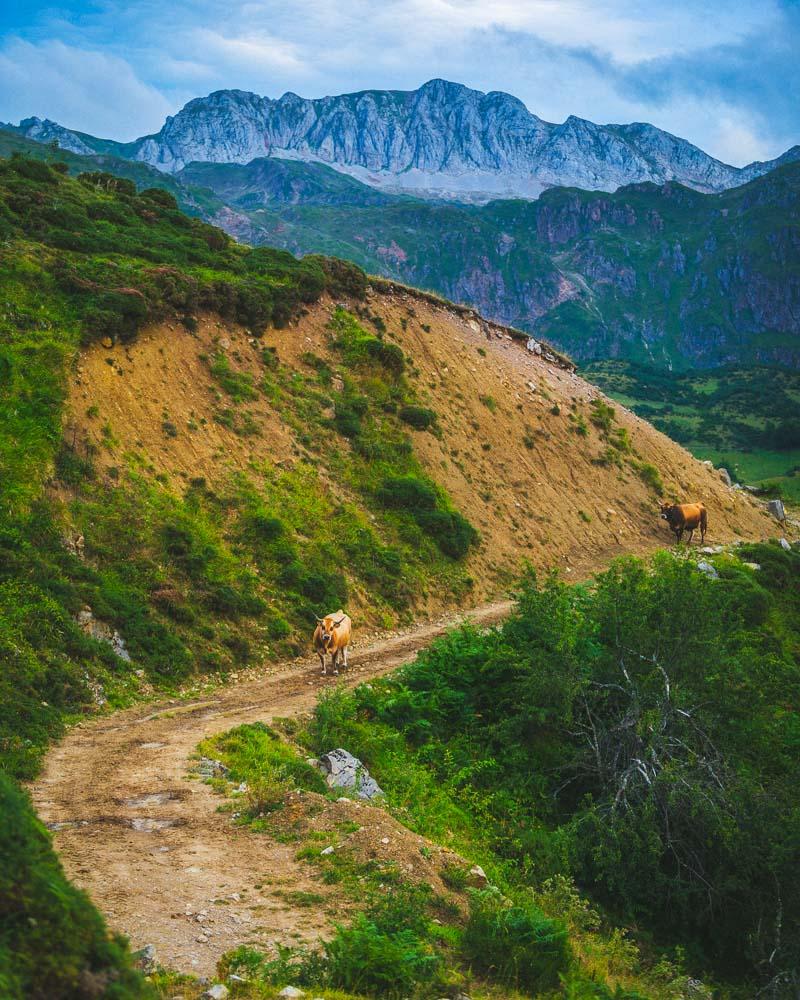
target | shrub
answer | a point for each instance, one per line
(650, 476)
(419, 417)
(407, 493)
(515, 943)
(364, 959)
(451, 531)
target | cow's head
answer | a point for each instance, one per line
(666, 510)
(327, 625)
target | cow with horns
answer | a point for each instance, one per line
(686, 517)
(332, 636)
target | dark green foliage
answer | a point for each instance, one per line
(515, 944)
(53, 943)
(419, 417)
(379, 963)
(639, 734)
(451, 531)
(123, 259)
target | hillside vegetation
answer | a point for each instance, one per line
(659, 275)
(746, 420)
(203, 445)
(634, 736)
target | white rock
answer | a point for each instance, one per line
(328, 850)
(708, 569)
(477, 877)
(216, 992)
(291, 991)
(785, 545)
(346, 771)
(775, 507)
(753, 566)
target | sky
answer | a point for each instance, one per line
(723, 76)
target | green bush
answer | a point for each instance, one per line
(53, 943)
(379, 963)
(513, 943)
(407, 493)
(419, 417)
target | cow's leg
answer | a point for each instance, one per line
(691, 532)
(322, 662)
(335, 661)
(344, 658)
(678, 535)
(702, 533)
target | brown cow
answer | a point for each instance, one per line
(332, 635)
(685, 517)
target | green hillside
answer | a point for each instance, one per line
(661, 276)
(746, 420)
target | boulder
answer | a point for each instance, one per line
(725, 476)
(216, 992)
(754, 566)
(477, 877)
(775, 507)
(708, 569)
(343, 770)
(145, 959)
(291, 991)
(785, 545)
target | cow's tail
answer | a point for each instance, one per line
(703, 518)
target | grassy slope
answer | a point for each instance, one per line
(744, 419)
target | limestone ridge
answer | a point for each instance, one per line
(443, 139)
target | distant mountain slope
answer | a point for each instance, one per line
(660, 275)
(442, 139)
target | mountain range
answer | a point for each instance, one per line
(442, 140)
(663, 272)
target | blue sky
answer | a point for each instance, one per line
(722, 75)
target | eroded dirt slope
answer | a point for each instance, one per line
(509, 453)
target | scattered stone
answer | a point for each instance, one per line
(291, 991)
(146, 959)
(754, 566)
(708, 464)
(785, 545)
(233, 978)
(216, 992)
(708, 569)
(343, 770)
(775, 507)
(328, 850)
(384, 840)
(712, 550)
(107, 342)
(477, 877)
(725, 476)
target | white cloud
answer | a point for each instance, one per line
(253, 50)
(88, 90)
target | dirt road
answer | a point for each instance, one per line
(147, 842)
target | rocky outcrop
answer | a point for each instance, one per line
(443, 139)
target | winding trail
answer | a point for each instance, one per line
(147, 842)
